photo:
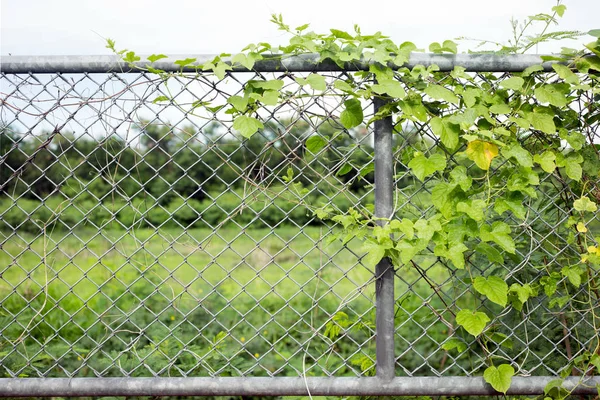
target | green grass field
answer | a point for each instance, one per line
(196, 302)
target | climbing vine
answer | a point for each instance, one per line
(505, 144)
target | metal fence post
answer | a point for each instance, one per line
(384, 271)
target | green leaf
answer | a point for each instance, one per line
(594, 32)
(110, 44)
(515, 151)
(573, 169)
(500, 378)
(412, 105)
(473, 322)
(390, 87)
(449, 46)
(273, 84)
(542, 122)
(243, 60)
(405, 226)
(374, 254)
(270, 97)
(408, 250)
(454, 253)
(130, 57)
(343, 86)
(367, 169)
(247, 126)
(435, 47)
(159, 99)
(514, 83)
(549, 283)
(530, 70)
(183, 63)
(559, 301)
(546, 160)
(502, 340)
(559, 9)
(156, 57)
(490, 252)
(566, 74)
(585, 204)
(447, 131)
(513, 204)
(459, 177)
(573, 274)
(240, 103)
(422, 167)
(523, 292)
(500, 234)
(220, 68)
(341, 34)
(591, 162)
(200, 103)
(442, 197)
(473, 208)
(558, 385)
(344, 170)
(595, 361)
(522, 179)
(575, 139)
(352, 116)
(441, 93)
(454, 343)
(427, 228)
(551, 94)
(470, 96)
(316, 81)
(500, 108)
(494, 288)
(466, 119)
(482, 153)
(315, 143)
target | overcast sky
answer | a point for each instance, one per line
(62, 27)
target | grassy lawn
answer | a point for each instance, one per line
(195, 302)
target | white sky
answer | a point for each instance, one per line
(62, 27)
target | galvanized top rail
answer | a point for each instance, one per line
(271, 63)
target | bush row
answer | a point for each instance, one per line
(261, 210)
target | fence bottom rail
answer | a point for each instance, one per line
(284, 386)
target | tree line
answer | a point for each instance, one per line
(164, 167)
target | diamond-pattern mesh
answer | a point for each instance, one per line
(141, 235)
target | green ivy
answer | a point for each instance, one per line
(501, 142)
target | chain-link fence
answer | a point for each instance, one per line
(141, 236)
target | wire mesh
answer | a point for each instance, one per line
(142, 236)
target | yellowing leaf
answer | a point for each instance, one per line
(482, 153)
(585, 204)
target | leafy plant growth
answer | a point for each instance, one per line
(496, 180)
(504, 146)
